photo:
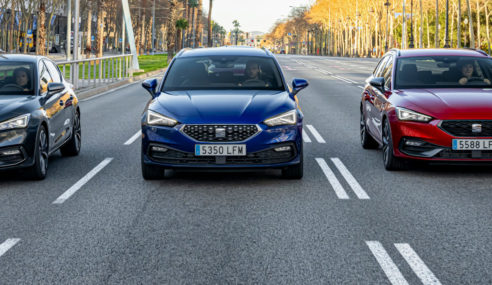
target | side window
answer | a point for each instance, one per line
(387, 72)
(378, 71)
(54, 71)
(44, 78)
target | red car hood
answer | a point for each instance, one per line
(450, 104)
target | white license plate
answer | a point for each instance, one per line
(220, 149)
(472, 144)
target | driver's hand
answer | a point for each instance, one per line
(486, 81)
(463, 81)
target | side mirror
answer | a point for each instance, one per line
(377, 82)
(298, 85)
(150, 85)
(55, 88)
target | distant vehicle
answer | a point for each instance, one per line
(282, 51)
(222, 108)
(39, 114)
(429, 105)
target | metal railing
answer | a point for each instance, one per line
(91, 72)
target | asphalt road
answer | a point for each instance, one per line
(348, 221)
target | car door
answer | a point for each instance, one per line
(371, 110)
(65, 102)
(52, 106)
(381, 100)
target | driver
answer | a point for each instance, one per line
(467, 73)
(22, 78)
(252, 73)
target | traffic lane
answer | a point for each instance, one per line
(218, 226)
(24, 204)
(443, 208)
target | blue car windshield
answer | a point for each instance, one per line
(16, 78)
(223, 73)
(443, 72)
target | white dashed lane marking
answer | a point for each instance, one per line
(8, 244)
(315, 133)
(337, 187)
(133, 138)
(76, 187)
(411, 257)
(361, 194)
(305, 136)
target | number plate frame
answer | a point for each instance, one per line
(472, 144)
(220, 150)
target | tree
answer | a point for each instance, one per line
(41, 37)
(88, 39)
(181, 25)
(236, 29)
(210, 24)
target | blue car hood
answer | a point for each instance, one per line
(224, 107)
(14, 105)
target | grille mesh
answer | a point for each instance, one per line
(464, 128)
(231, 133)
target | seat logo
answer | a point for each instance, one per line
(476, 128)
(220, 133)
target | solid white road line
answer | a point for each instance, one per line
(332, 179)
(389, 267)
(82, 181)
(305, 136)
(361, 194)
(134, 138)
(8, 244)
(315, 133)
(417, 264)
(341, 79)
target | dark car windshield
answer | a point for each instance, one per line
(223, 73)
(443, 72)
(16, 78)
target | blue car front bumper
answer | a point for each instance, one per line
(260, 148)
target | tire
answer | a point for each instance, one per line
(73, 145)
(152, 172)
(40, 168)
(391, 162)
(366, 140)
(295, 171)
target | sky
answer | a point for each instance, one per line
(253, 15)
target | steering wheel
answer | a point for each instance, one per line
(475, 79)
(253, 82)
(13, 85)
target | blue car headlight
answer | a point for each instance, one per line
(287, 118)
(156, 119)
(19, 122)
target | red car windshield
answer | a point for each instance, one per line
(443, 72)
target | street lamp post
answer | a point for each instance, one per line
(153, 28)
(446, 36)
(404, 28)
(69, 28)
(387, 4)
(411, 45)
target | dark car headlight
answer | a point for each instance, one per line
(19, 122)
(287, 118)
(409, 115)
(156, 119)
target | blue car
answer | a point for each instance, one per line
(222, 108)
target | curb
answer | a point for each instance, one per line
(101, 89)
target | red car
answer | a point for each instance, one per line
(431, 105)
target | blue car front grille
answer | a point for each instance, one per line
(220, 133)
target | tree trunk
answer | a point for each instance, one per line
(199, 25)
(487, 15)
(478, 25)
(41, 38)
(88, 39)
(171, 29)
(470, 23)
(100, 28)
(210, 24)
(12, 23)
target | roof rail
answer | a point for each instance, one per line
(396, 50)
(477, 50)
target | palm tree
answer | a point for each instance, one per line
(236, 28)
(193, 4)
(181, 25)
(210, 24)
(171, 29)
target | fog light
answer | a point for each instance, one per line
(11, 152)
(414, 143)
(159, 149)
(282, 148)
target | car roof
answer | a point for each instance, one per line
(225, 51)
(20, 57)
(440, 52)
